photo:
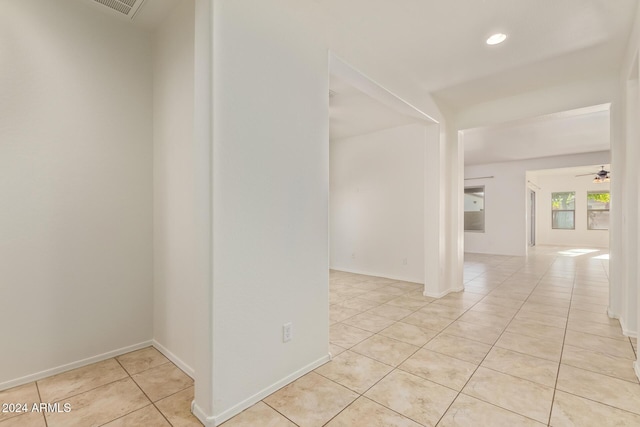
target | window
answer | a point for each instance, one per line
(563, 210)
(598, 210)
(474, 209)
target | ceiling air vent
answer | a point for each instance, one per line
(122, 8)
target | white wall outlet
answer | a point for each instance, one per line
(287, 332)
(353, 255)
(404, 261)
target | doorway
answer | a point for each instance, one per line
(378, 162)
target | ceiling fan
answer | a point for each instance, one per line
(601, 176)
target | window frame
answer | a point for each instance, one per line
(484, 216)
(597, 210)
(573, 211)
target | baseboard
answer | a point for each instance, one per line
(216, 420)
(175, 359)
(630, 334)
(200, 414)
(73, 365)
(636, 368)
(625, 331)
(611, 314)
(441, 294)
(385, 276)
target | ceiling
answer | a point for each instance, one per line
(149, 15)
(578, 131)
(440, 45)
(352, 112)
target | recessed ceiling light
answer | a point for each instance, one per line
(496, 39)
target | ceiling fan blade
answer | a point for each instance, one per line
(586, 174)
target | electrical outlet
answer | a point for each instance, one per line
(353, 255)
(287, 332)
(404, 261)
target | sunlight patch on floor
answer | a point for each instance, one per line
(576, 252)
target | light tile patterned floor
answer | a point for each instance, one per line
(528, 343)
(142, 388)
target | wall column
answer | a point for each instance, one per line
(434, 212)
(202, 406)
(617, 254)
(629, 318)
(444, 217)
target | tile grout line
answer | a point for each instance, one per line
(376, 333)
(292, 422)
(564, 338)
(378, 306)
(359, 342)
(485, 356)
(101, 385)
(394, 368)
(588, 370)
(422, 347)
(46, 423)
(601, 403)
(145, 395)
(540, 280)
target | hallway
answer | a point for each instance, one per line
(527, 343)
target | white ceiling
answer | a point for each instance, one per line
(440, 45)
(577, 131)
(352, 112)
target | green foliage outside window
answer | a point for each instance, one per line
(563, 201)
(599, 197)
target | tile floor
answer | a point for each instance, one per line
(528, 343)
(142, 388)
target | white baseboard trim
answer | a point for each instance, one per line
(175, 359)
(200, 414)
(636, 368)
(73, 365)
(625, 330)
(611, 314)
(441, 294)
(385, 276)
(216, 420)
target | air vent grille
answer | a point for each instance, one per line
(122, 8)
(116, 5)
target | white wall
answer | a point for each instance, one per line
(376, 203)
(270, 196)
(581, 236)
(506, 201)
(270, 187)
(76, 186)
(174, 186)
(624, 297)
